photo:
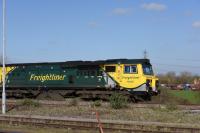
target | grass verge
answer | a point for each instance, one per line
(168, 96)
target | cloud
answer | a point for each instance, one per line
(154, 6)
(121, 11)
(196, 24)
(92, 24)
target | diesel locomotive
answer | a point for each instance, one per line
(131, 77)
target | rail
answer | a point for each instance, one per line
(92, 124)
(82, 103)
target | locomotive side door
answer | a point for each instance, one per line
(119, 73)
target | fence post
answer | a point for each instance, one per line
(99, 123)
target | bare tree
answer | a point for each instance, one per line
(173, 78)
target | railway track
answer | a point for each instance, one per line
(13, 103)
(75, 124)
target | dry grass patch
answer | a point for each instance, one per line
(160, 114)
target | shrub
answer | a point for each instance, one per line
(73, 102)
(96, 103)
(171, 106)
(30, 103)
(118, 101)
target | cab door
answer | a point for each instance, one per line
(119, 73)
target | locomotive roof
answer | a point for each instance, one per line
(78, 63)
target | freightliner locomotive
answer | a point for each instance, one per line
(131, 77)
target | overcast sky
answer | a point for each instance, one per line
(61, 30)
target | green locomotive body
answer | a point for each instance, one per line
(55, 76)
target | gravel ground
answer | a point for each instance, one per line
(168, 113)
(85, 109)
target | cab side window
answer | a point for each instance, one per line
(110, 68)
(130, 69)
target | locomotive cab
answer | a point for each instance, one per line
(135, 76)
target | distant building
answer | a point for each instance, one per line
(196, 81)
(196, 84)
